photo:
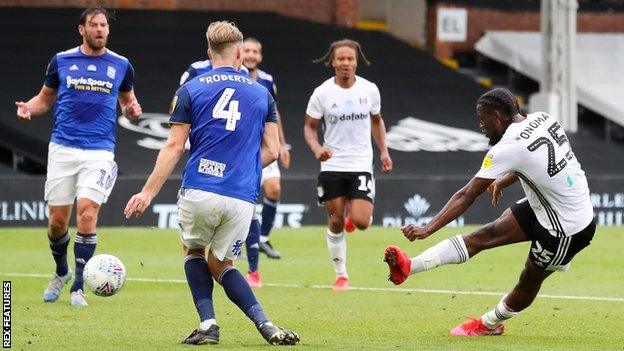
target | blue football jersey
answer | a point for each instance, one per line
(87, 87)
(227, 112)
(266, 80)
(200, 67)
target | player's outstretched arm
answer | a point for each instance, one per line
(311, 137)
(168, 158)
(379, 134)
(457, 205)
(130, 107)
(269, 150)
(37, 105)
(497, 186)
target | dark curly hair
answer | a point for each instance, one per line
(329, 55)
(501, 99)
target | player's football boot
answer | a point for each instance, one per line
(267, 249)
(349, 227)
(341, 284)
(77, 299)
(475, 327)
(278, 336)
(399, 264)
(200, 337)
(53, 290)
(253, 279)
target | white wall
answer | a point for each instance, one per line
(406, 19)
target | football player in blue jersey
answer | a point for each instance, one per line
(231, 124)
(252, 57)
(86, 82)
(258, 238)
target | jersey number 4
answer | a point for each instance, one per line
(231, 115)
(553, 167)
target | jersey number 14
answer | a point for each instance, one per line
(231, 115)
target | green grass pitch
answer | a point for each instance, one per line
(152, 315)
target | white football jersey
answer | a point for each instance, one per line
(537, 150)
(346, 123)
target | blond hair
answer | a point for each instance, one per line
(329, 55)
(221, 35)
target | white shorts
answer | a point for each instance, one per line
(270, 171)
(79, 173)
(218, 222)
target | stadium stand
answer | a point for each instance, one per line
(6, 170)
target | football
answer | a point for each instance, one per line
(104, 274)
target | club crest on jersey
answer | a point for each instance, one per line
(363, 101)
(73, 68)
(487, 161)
(91, 68)
(110, 72)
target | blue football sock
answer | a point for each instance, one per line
(58, 246)
(84, 247)
(201, 285)
(252, 246)
(238, 291)
(268, 216)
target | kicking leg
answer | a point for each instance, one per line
(457, 249)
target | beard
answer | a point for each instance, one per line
(251, 65)
(93, 43)
(494, 139)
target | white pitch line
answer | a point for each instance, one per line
(424, 291)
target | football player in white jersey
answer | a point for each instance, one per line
(349, 107)
(556, 216)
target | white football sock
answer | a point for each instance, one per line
(451, 250)
(204, 325)
(497, 316)
(337, 246)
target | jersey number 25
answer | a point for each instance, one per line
(553, 166)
